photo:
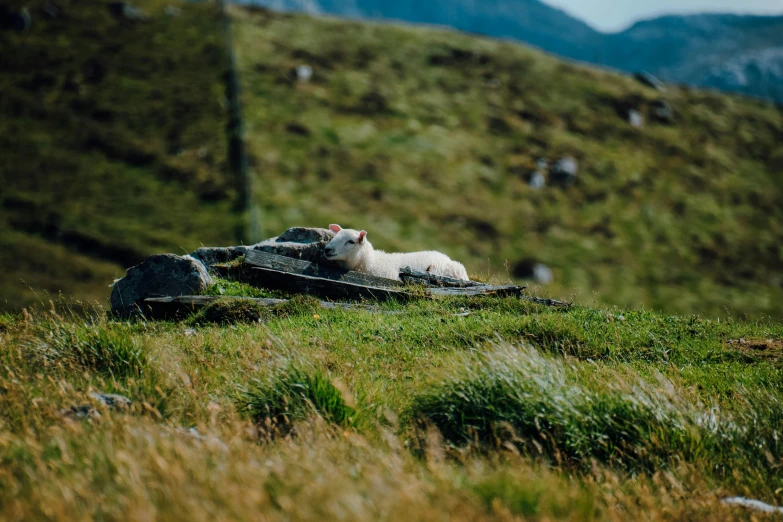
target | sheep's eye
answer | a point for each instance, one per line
(351, 241)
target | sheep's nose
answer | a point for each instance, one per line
(329, 251)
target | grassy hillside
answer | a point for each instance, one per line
(428, 138)
(422, 412)
(112, 143)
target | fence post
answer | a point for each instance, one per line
(248, 224)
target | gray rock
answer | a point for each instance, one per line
(214, 255)
(51, 10)
(158, 276)
(537, 180)
(112, 400)
(305, 235)
(662, 112)
(650, 80)
(82, 411)
(304, 73)
(88, 411)
(301, 243)
(564, 171)
(298, 242)
(172, 11)
(542, 274)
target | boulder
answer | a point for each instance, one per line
(564, 171)
(158, 276)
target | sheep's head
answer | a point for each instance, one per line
(346, 246)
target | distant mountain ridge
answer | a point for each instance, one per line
(735, 53)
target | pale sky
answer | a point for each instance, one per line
(615, 15)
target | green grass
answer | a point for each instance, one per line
(113, 145)
(579, 415)
(626, 406)
(516, 408)
(680, 218)
(296, 394)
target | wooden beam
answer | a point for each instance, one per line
(486, 290)
(298, 276)
(261, 259)
(408, 275)
(321, 287)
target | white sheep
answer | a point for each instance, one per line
(352, 251)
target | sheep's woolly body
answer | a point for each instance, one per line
(388, 265)
(362, 257)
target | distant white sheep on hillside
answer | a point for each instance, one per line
(352, 250)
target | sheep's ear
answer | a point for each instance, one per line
(335, 228)
(362, 235)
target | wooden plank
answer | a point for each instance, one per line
(261, 259)
(546, 302)
(498, 291)
(408, 275)
(298, 276)
(321, 287)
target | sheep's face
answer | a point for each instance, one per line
(346, 245)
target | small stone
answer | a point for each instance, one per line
(662, 112)
(112, 400)
(542, 274)
(564, 171)
(636, 119)
(172, 11)
(87, 411)
(537, 180)
(304, 73)
(51, 10)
